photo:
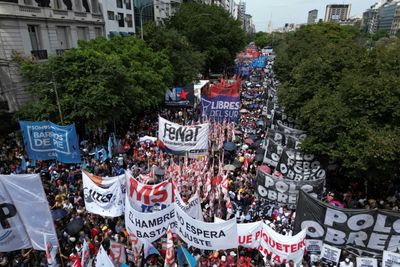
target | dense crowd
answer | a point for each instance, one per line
(63, 186)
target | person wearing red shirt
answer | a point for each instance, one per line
(74, 259)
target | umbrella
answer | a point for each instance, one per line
(245, 147)
(244, 111)
(229, 146)
(337, 203)
(229, 167)
(248, 141)
(58, 214)
(74, 227)
(238, 132)
(265, 169)
(260, 123)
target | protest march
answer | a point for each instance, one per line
(217, 179)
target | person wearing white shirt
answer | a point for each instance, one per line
(346, 263)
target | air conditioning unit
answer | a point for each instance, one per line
(127, 2)
(119, 17)
(127, 19)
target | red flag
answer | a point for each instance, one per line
(170, 252)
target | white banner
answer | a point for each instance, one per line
(366, 262)
(177, 139)
(107, 181)
(202, 235)
(102, 259)
(150, 226)
(148, 198)
(103, 201)
(390, 259)
(24, 214)
(282, 248)
(249, 234)
(330, 255)
(192, 208)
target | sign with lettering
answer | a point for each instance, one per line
(202, 235)
(180, 96)
(283, 191)
(179, 139)
(282, 248)
(104, 201)
(330, 254)
(363, 232)
(221, 108)
(45, 140)
(25, 219)
(150, 226)
(366, 262)
(390, 259)
(148, 198)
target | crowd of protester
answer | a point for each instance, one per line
(63, 186)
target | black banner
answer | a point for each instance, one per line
(283, 191)
(363, 232)
(300, 166)
(181, 96)
(273, 152)
(284, 139)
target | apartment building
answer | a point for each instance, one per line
(38, 29)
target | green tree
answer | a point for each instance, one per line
(346, 95)
(187, 63)
(262, 39)
(100, 82)
(212, 31)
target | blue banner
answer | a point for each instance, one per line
(45, 140)
(221, 108)
(259, 62)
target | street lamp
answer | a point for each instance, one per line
(57, 99)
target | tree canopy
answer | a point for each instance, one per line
(99, 82)
(212, 31)
(346, 95)
(186, 61)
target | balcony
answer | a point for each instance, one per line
(80, 14)
(39, 54)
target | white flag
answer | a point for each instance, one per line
(102, 259)
(51, 252)
(23, 226)
(85, 254)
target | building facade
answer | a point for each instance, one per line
(337, 13)
(370, 19)
(389, 17)
(312, 16)
(118, 17)
(37, 29)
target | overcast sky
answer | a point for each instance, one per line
(295, 11)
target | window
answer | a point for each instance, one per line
(28, 2)
(62, 37)
(98, 31)
(120, 18)
(82, 33)
(129, 21)
(110, 15)
(95, 6)
(119, 3)
(128, 4)
(34, 37)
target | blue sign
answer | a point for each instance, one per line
(221, 108)
(259, 62)
(45, 140)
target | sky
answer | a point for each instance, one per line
(295, 11)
